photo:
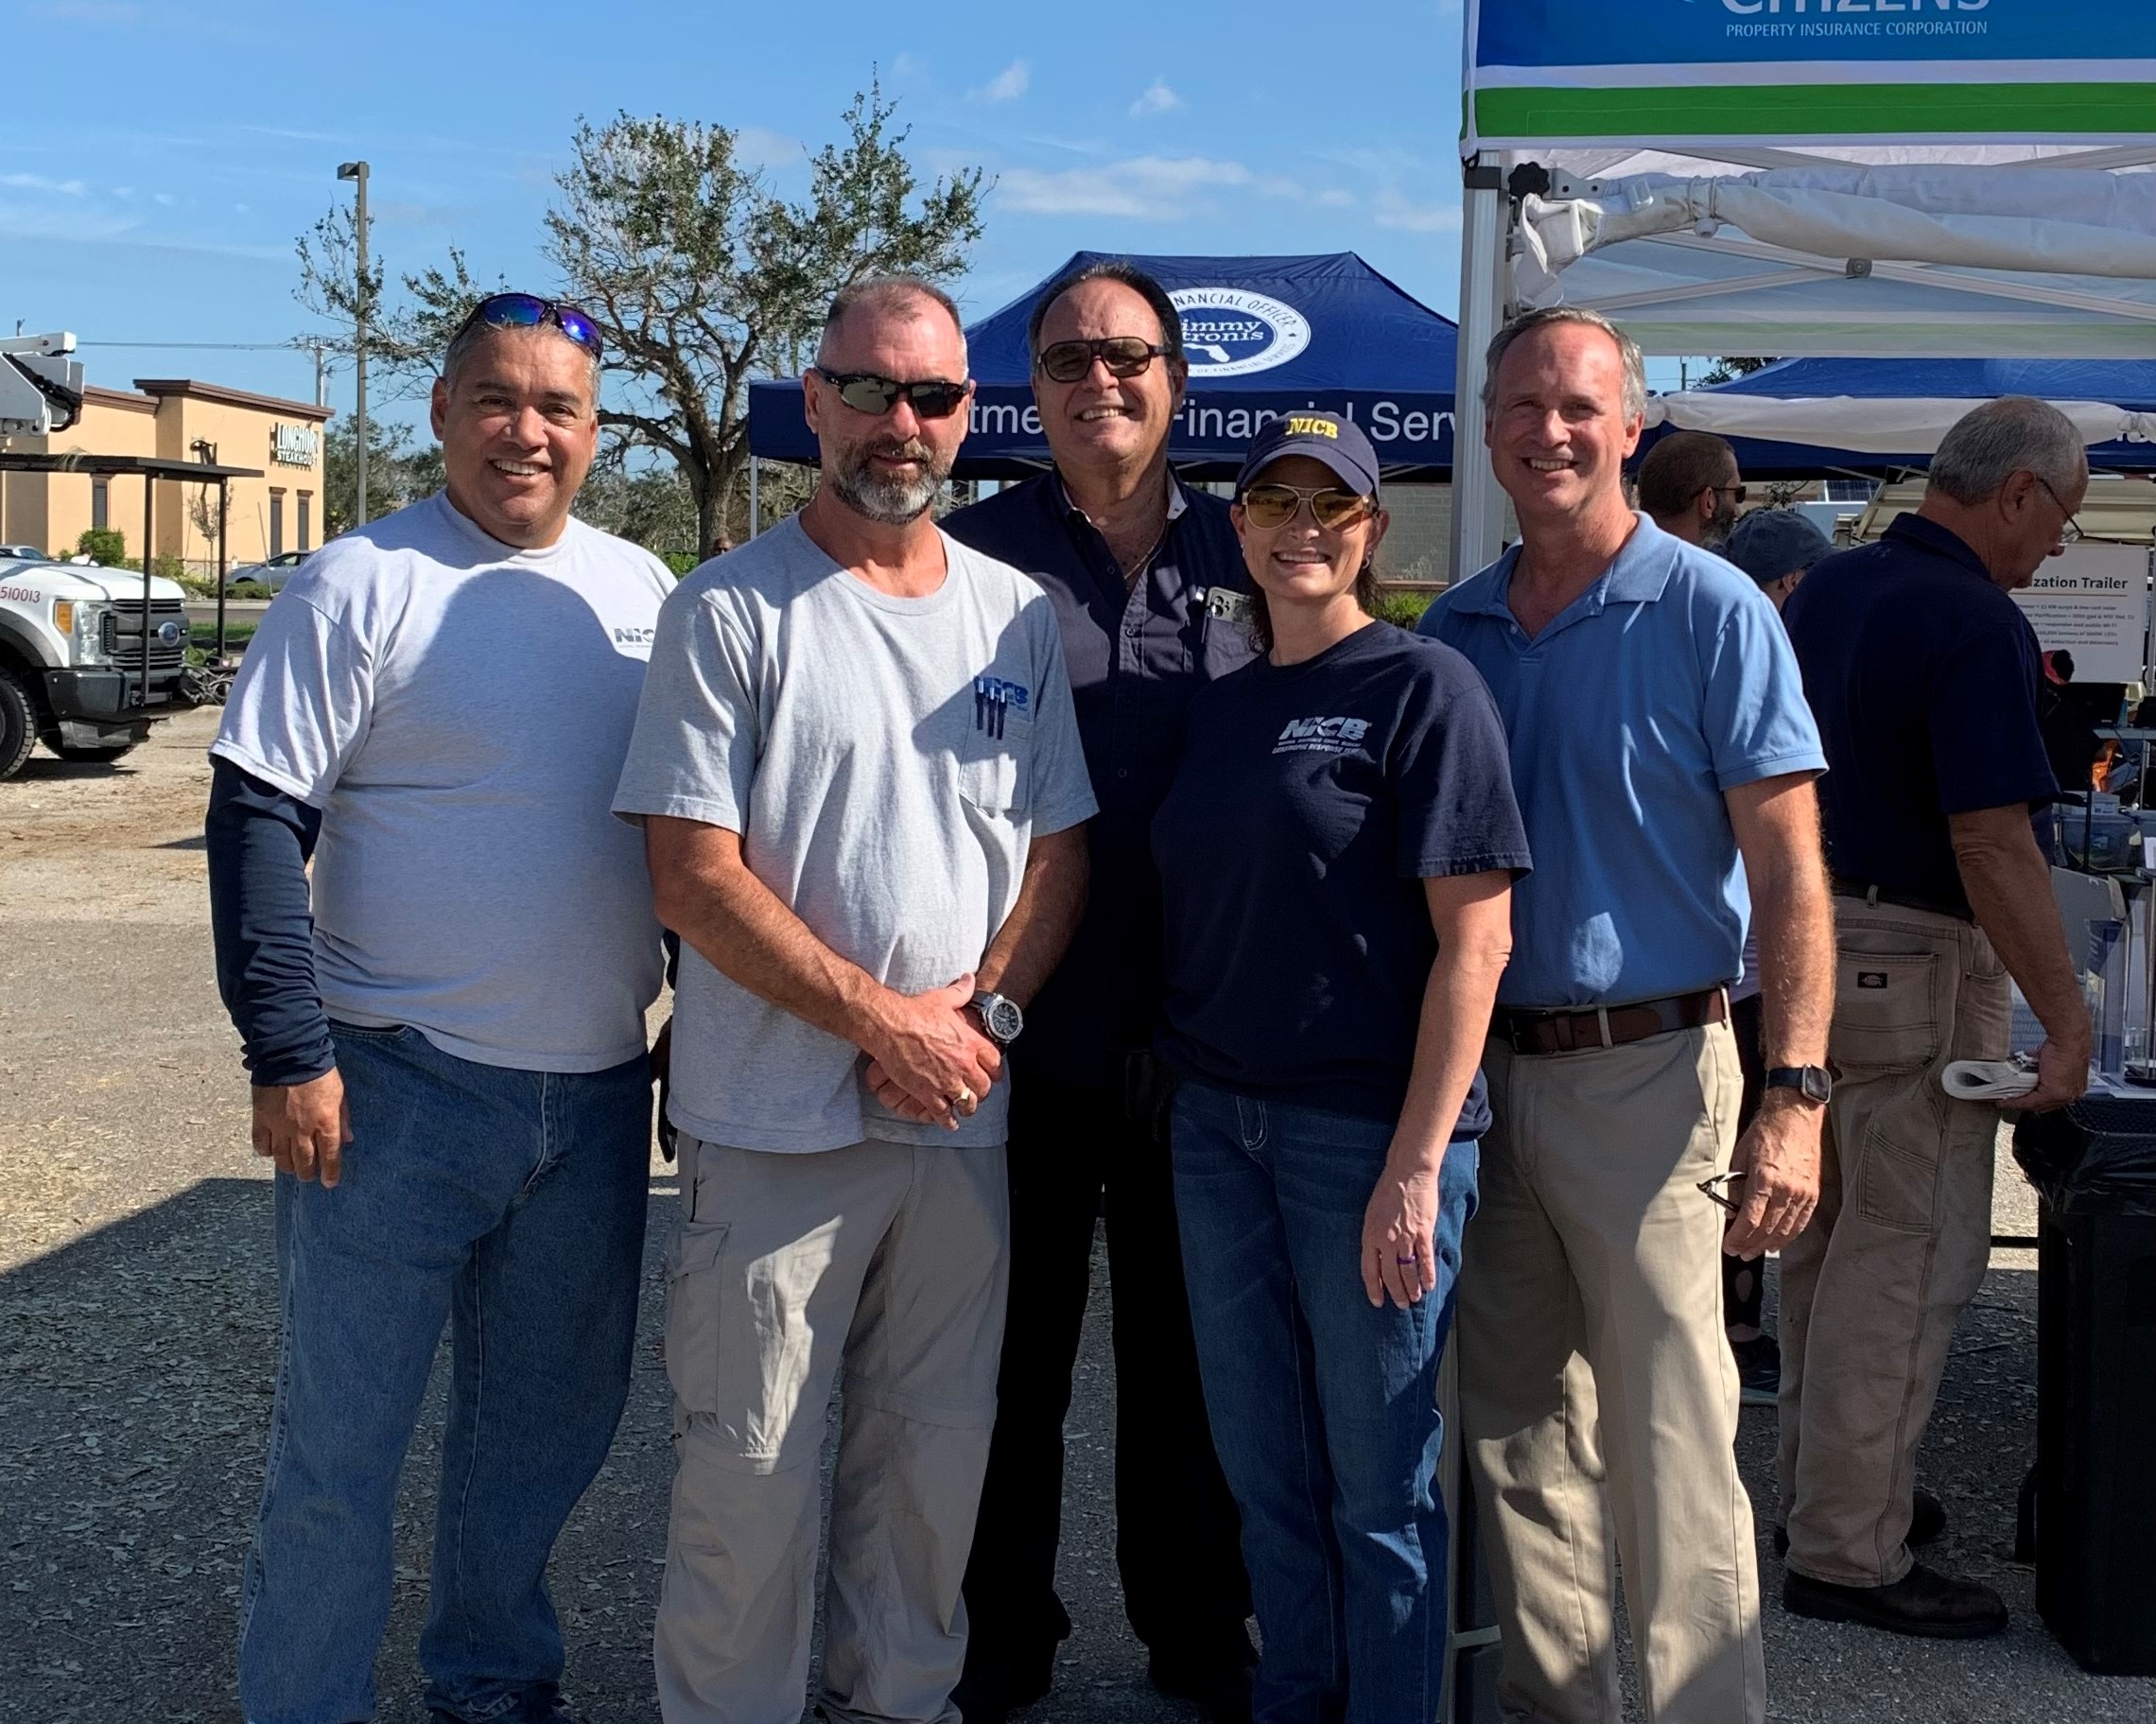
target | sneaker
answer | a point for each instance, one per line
(1927, 1520)
(1923, 1602)
(1759, 1369)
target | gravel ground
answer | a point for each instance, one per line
(137, 1326)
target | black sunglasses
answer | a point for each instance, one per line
(1125, 356)
(529, 312)
(866, 392)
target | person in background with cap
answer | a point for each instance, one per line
(1659, 734)
(1690, 488)
(1774, 547)
(1336, 855)
(1146, 579)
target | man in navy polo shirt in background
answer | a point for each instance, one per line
(1923, 674)
(1149, 586)
(1657, 731)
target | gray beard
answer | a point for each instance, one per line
(888, 503)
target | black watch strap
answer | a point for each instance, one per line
(1815, 1083)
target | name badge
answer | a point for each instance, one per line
(1228, 605)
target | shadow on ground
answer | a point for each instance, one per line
(137, 1369)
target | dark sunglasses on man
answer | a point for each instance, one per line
(1125, 356)
(866, 392)
(529, 312)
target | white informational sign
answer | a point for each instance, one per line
(2092, 601)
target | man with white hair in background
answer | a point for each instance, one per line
(1923, 674)
(864, 797)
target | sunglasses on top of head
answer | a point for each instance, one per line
(1266, 507)
(1125, 356)
(866, 392)
(529, 312)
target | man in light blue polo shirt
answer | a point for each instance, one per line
(1659, 734)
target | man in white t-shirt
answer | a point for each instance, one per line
(864, 797)
(446, 1036)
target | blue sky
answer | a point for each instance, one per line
(163, 155)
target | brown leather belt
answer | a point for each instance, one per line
(1842, 886)
(1578, 1031)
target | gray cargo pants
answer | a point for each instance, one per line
(891, 1260)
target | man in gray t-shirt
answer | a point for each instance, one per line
(864, 797)
(444, 1031)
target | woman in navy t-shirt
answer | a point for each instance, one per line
(1336, 857)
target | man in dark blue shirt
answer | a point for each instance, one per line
(1147, 580)
(1923, 672)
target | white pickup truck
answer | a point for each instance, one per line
(71, 660)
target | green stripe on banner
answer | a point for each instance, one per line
(2116, 112)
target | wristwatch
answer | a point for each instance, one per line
(1815, 1083)
(999, 1016)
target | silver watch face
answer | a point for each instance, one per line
(1002, 1016)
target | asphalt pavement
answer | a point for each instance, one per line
(138, 1330)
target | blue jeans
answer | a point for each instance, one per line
(1324, 1407)
(509, 1205)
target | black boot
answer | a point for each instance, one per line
(1923, 1602)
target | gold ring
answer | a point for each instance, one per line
(965, 1098)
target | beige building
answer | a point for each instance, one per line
(179, 419)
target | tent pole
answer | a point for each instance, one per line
(754, 524)
(1478, 505)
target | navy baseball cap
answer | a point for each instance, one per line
(1768, 544)
(1331, 438)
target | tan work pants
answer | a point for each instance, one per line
(891, 1260)
(1597, 1387)
(1871, 1290)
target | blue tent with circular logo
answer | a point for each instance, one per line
(1264, 336)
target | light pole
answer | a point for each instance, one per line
(357, 172)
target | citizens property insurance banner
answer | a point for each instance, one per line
(1616, 72)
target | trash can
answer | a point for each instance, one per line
(2093, 1166)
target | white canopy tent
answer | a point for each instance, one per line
(1968, 180)
(1894, 427)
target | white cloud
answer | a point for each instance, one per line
(1396, 210)
(1336, 197)
(1007, 85)
(1157, 98)
(754, 146)
(38, 182)
(908, 65)
(1144, 188)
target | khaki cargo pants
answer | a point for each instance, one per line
(1870, 1290)
(891, 1261)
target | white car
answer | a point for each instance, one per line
(270, 574)
(22, 553)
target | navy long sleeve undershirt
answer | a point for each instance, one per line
(260, 840)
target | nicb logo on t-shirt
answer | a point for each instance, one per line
(993, 698)
(1321, 736)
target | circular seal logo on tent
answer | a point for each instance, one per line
(1228, 332)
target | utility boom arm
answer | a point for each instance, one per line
(40, 388)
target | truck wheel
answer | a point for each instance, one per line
(18, 722)
(91, 756)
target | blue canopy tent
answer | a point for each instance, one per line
(1914, 400)
(1264, 336)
